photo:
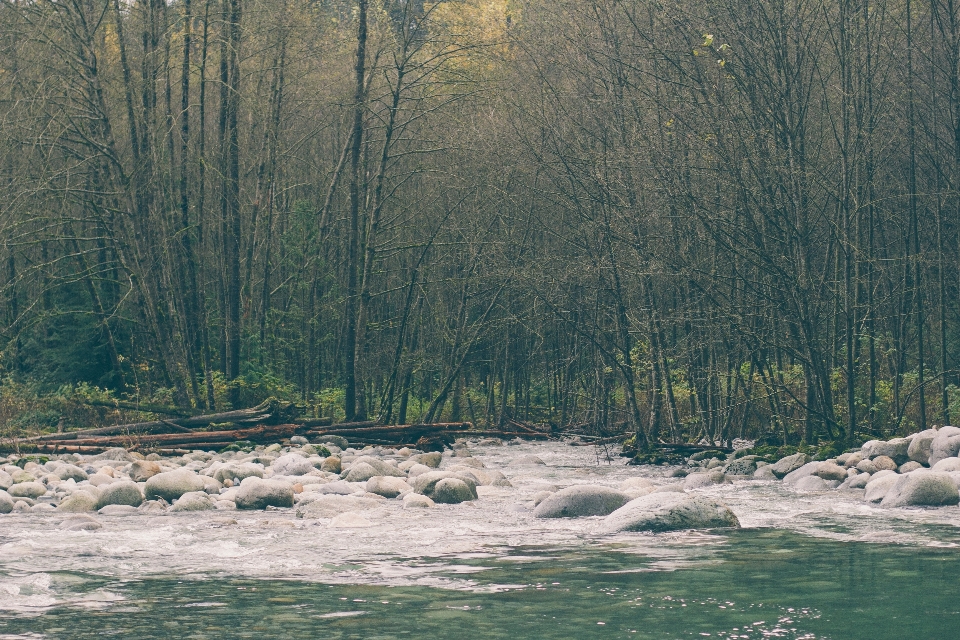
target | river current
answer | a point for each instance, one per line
(805, 565)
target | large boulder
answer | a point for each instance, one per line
(741, 467)
(383, 468)
(143, 470)
(919, 449)
(170, 485)
(71, 472)
(670, 512)
(783, 466)
(387, 486)
(896, 449)
(256, 493)
(360, 472)
(194, 501)
(581, 500)
(453, 491)
(946, 444)
(431, 459)
(30, 490)
(947, 465)
(922, 488)
(879, 486)
(830, 471)
(240, 471)
(697, 480)
(814, 483)
(6, 502)
(292, 464)
(425, 483)
(78, 502)
(125, 493)
(800, 473)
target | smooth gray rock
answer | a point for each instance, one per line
(417, 501)
(120, 493)
(71, 472)
(764, 473)
(431, 459)
(81, 522)
(866, 466)
(907, 467)
(240, 471)
(256, 493)
(540, 496)
(194, 501)
(947, 465)
(170, 485)
(830, 471)
(118, 510)
(878, 487)
(800, 473)
(813, 483)
(329, 506)
(78, 502)
(923, 488)
(670, 512)
(946, 444)
(790, 463)
(340, 487)
(697, 480)
(292, 464)
(884, 463)
(453, 491)
(425, 483)
(580, 501)
(858, 481)
(360, 472)
(387, 486)
(919, 449)
(741, 467)
(117, 454)
(27, 490)
(895, 449)
(6, 502)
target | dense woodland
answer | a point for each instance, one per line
(718, 219)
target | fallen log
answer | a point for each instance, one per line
(260, 433)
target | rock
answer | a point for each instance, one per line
(210, 485)
(6, 481)
(453, 491)
(670, 512)
(764, 473)
(81, 523)
(350, 520)
(387, 486)
(884, 463)
(417, 501)
(143, 470)
(713, 463)
(907, 467)
(798, 474)
(540, 496)
(292, 464)
(470, 462)
(829, 471)
(120, 493)
(670, 488)
(360, 472)
(331, 464)
(299, 441)
(947, 465)
(71, 472)
(895, 449)
(431, 459)
(338, 441)
(697, 480)
(194, 501)
(852, 459)
(152, 506)
(100, 479)
(118, 454)
(118, 510)
(425, 483)
(330, 505)
(866, 466)
(170, 485)
(741, 467)
(20, 476)
(922, 488)
(581, 501)
(77, 502)
(946, 444)
(878, 487)
(858, 481)
(6, 502)
(632, 484)
(27, 490)
(240, 471)
(790, 463)
(919, 449)
(418, 469)
(812, 483)
(340, 487)
(526, 460)
(256, 493)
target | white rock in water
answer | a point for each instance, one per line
(453, 491)
(240, 471)
(922, 488)
(581, 501)
(6, 502)
(78, 502)
(71, 472)
(764, 473)
(790, 463)
(194, 501)
(27, 490)
(118, 510)
(814, 483)
(417, 501)
(418, 469)
(799, 473)
(698, 480)
(170, 485)
(858, 481)
(387, 486)
(256, 493)
(919, 449)
(426, 483)
(350, 520)
(829, 471)
(946, 444)
(292, 464)
(526, 460)
(120, 493)
(670, 512)
(631, 484)
(879, 485)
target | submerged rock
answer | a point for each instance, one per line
(579, 501)
(697, 480)
(814, 483)
(670, 512)
(922, 488)
(417, 501)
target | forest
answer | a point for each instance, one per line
(688, 221)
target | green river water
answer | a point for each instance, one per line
(753, 583)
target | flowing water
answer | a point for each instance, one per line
(804, 566)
